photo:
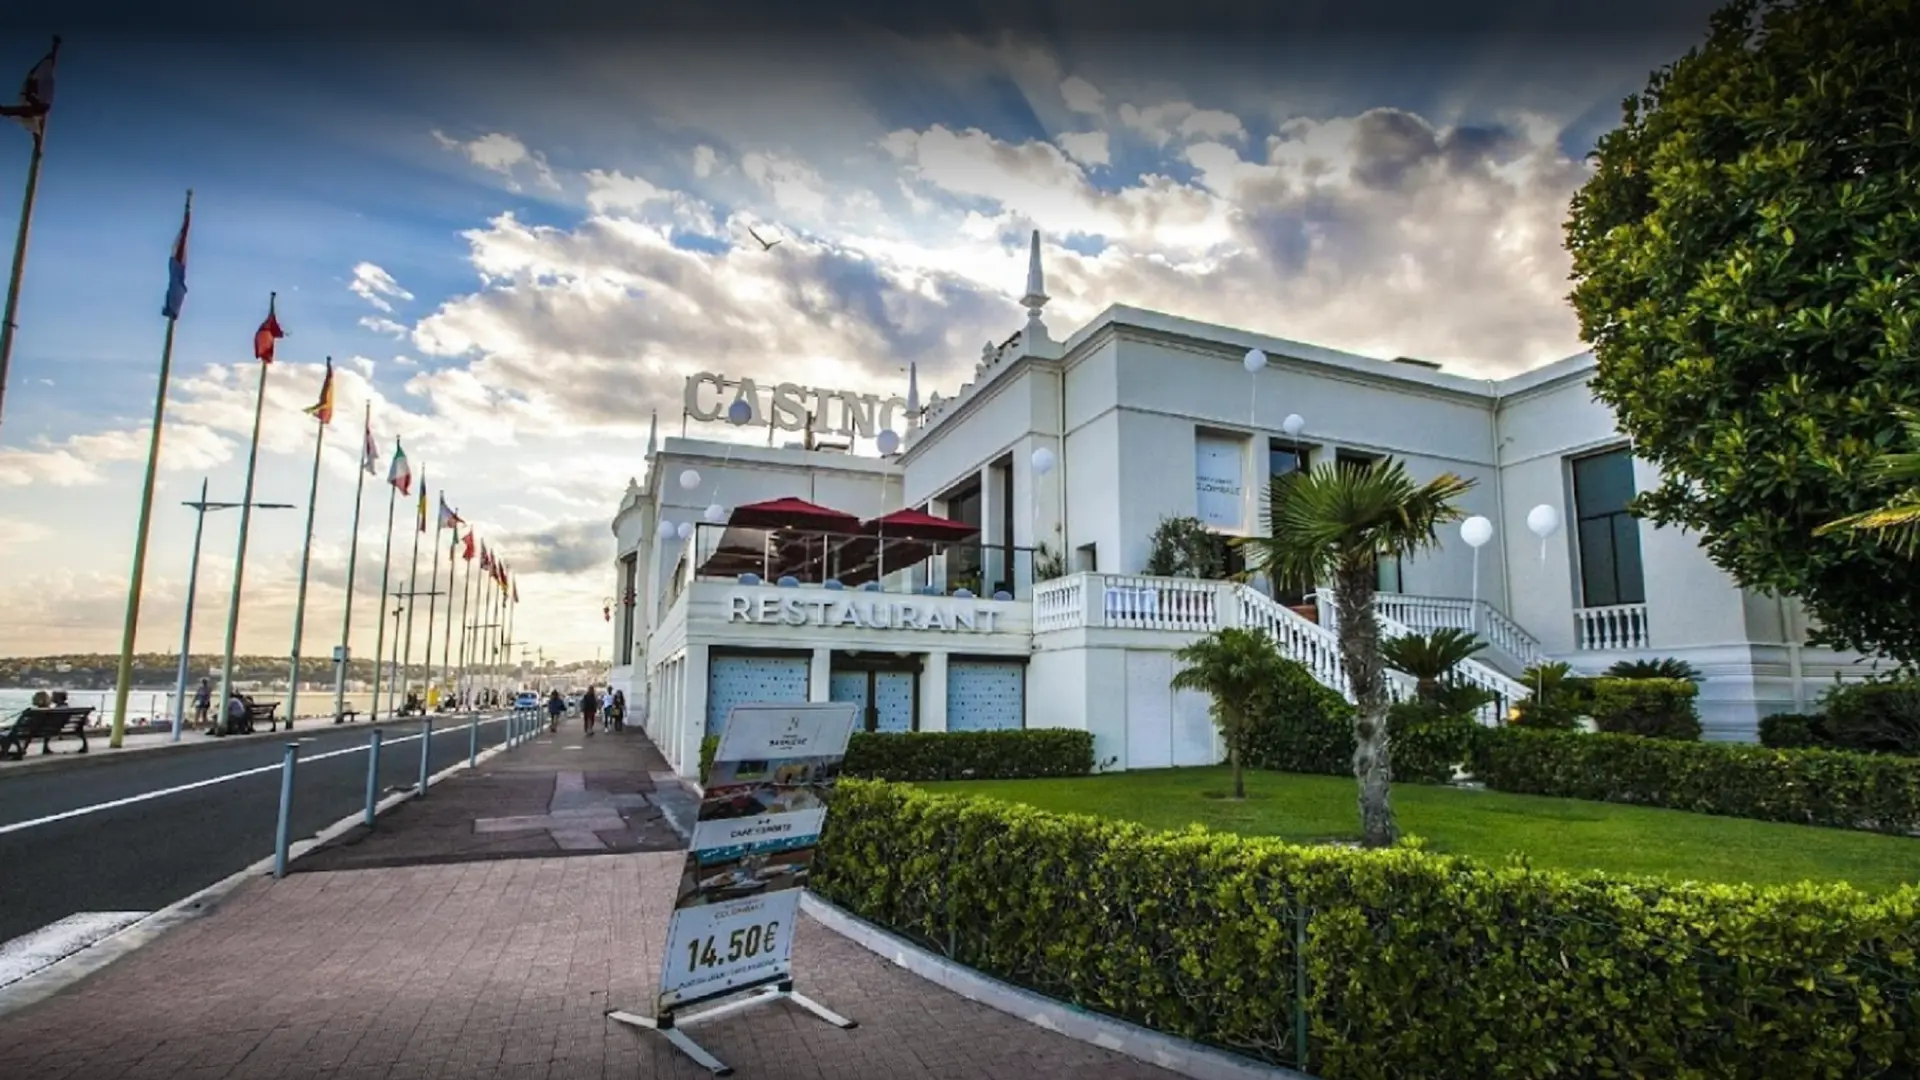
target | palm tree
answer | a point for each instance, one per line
(1899, 517)
(1337, 522)
(1430, 658)
(1235, 667)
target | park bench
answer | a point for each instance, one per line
(45, 724)
(257, 714)
(347, 716)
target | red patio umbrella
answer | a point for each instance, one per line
(919, 525)
(790, 513)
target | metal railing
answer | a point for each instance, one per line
(856, 560)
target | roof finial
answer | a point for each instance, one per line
(653, 434)
(913, 394)
(1036, 298)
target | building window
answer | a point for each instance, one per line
(1286, 457)
(1086, 559)
(1607, 534)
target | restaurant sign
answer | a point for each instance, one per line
(929, 613)
(786, 406)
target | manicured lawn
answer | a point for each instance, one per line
(1564, 834)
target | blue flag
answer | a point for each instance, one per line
(177, 267)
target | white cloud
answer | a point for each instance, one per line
(79, 460)
(795, 186)
(383, 326)
(1181, 120)
(377, 287)
(1086, 147)
(1082, 96)
(501, 153)
(706, 161)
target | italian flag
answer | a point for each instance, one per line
(400, 474)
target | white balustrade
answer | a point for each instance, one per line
(1508, 636)
(1059, 604)
(1619, 627)
(1505, 691)
(1157, 603)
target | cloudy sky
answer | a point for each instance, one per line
(515, 238)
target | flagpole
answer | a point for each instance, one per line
(346, 620)
(240, 556)
(386, 570)
(493, 633)
(446, 646)
(20, 254)
(413, 585)
(124, 680)
(306, 557)
(466, 621)
(433, 601)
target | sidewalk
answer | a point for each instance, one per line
(501, 965)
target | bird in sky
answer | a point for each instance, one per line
(764, 245)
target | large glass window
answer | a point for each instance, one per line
(1608, 536)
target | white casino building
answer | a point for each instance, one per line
(1006, 589)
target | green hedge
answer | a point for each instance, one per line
(1307, 728)
(958, 755)
(1875, 716)
(1416, 966)
(1654, 708)
(1875, 793)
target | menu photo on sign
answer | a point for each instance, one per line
(761, 813)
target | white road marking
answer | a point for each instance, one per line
(144, 796)
(56, 941)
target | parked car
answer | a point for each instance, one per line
(526, 699)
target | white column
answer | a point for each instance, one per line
(693, 710)
(933, 692)
(820, 676)
(993, 512)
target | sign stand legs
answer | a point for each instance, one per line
(671, 1026)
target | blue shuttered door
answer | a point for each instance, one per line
(753, 680)
(893, 696)
(985, 695)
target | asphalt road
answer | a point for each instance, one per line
(159, 848)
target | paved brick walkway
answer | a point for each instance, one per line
(557, 794)
(498, 968)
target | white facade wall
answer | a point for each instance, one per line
(1121, 404)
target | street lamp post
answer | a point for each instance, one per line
(193, 581)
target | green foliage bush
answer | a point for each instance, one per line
(1418, 966)
(1308, 728)
(1875, 716)
(1873, 793)
(1793, 731)
(1558, 700)
(1666, 667)
(1305, 726)
(1654, 708)
(957, 755)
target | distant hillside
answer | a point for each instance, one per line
(98, 671)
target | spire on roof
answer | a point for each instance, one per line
(653, 434)
(913, 393)
(1036, 297)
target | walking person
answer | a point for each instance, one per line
(555, 706)
(202, 701)
(617, 711)
(589, 708)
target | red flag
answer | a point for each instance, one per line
(268, 333)
(469, 553)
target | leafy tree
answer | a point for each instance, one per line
(1744, 265)
(1235, 666)
(1185, 547)
(1899, 517)
(1336, 522)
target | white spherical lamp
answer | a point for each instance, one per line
(739, 412)
(1543, 520)
(1294, 424)
(685, 531)
(1254, 361)
(1476, 531)
(715, 514)
(1043, 461)
(689, 479)
(888, 441)
(668, 528)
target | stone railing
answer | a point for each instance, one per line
(1425, 614)
(1058, 604)
(1505, 691)
(1620, 627)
